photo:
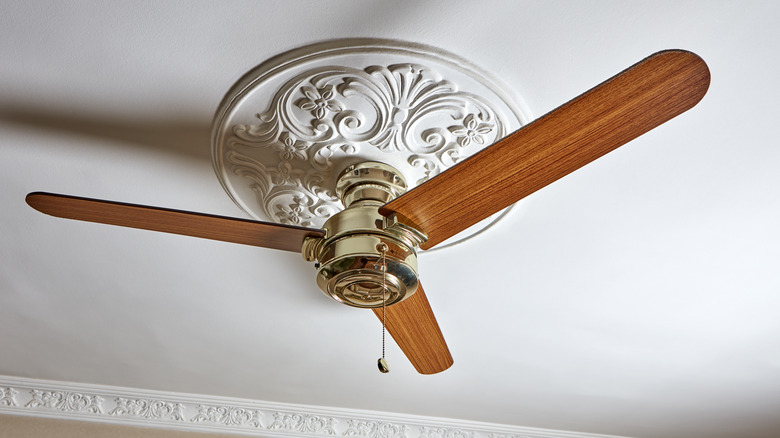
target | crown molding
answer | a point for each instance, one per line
(203, 413)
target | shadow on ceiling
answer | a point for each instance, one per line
(183, 138)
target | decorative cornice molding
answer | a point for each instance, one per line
(202, 413)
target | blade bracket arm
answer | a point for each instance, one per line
(400, 225)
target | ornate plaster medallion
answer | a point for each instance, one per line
(288, 128)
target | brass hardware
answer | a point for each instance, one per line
(369, 181)
(411, 232)
(382, 365)
(311, 247)
(349, 254)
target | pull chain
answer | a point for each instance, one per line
(382, 363)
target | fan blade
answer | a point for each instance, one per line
(244, 231)
(620, 109)
(412, 324)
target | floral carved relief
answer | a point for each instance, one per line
(304, 423)
(228, 416)
(148, 408)
(376, 429)
(66, 401)
(327, 118)
(444, 432)
(8, 396)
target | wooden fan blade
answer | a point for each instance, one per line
(247, 232)
(624, 107)
(412, 324)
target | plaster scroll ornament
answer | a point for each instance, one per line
(148, 408)
(8, 396)
(228, 416)
(66, 401)
(291, 127)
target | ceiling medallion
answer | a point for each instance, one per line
(287, 129)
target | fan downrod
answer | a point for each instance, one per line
(349, 255)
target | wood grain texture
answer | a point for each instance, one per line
(227, 229)
(611, 114)
(414, 328)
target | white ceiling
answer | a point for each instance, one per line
(638, 296)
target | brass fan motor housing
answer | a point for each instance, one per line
(350, 256)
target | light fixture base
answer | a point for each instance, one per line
(361, 262)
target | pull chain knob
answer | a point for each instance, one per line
(383, 366)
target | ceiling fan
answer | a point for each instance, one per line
(366, 254)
